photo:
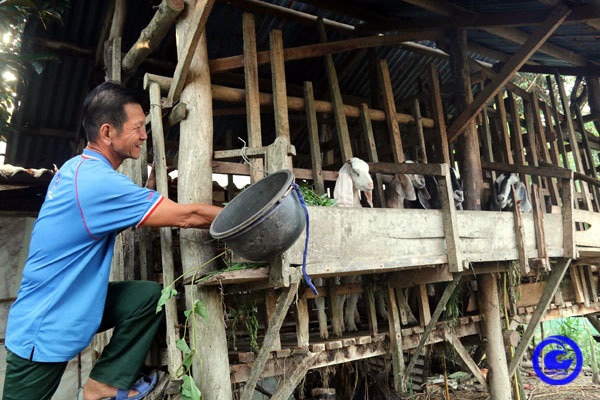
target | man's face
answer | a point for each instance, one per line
(128, 142)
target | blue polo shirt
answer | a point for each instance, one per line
(61, 300)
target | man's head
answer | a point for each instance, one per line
(114, 121)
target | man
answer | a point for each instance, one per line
(65, 296)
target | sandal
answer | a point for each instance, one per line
(143, 385)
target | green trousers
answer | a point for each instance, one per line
(131, 309)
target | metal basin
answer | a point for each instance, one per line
(264, 220)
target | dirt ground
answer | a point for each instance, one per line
(580, 388)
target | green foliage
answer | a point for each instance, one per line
(165, 295)
(311, 198)
(246, 315)
(189, 390)
(13, 16)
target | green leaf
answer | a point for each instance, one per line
(187, 313)
(183, 346)
(189, 390)
(200, 309)
(165, 295)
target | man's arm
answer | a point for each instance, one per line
(169, 213)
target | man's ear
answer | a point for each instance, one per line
(106, 133)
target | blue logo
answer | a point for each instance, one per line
(554, 366)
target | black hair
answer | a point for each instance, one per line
(106, 104)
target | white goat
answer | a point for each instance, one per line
(353, 178)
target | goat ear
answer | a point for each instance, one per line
(425, 193)
(343, 191)
(407, 187)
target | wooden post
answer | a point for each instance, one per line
(166, 240)
(195, 185)
(552, 284)
(569, 247)
(453, 250)
(283, 303)
(468, 144)
(286, 390)
(313, 138)
(282, 124)
(369, 292)
(395, 341)
(538, 225)
(532, 153)
(302, 321)
(424, 312)
(419, 122)
(336, 100)
(589, 155)
(252, 98)
(496, 357)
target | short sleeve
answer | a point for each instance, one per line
(110, 201)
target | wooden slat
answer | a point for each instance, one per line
(556, 276)
(568, 223)
(453, 249)
(252, 93)
(389, 106)
(417, 114)
(369, 142)
(588, 152)
(424, 311)
(166, 240)
(282, 124)
(437, 109)
(336, 100)
(506, 147)
(553, 21)
(538, 224)
(543, 143)
(558, 128)
(520, 235)
(313, 138)
(286, 389)
(554, 172)
(371, 309)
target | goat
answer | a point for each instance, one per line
(429, 196)
(402, 187)
(502, 196)
(353, 178)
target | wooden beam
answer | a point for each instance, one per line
(556, 276)
(323, 49)
(558, 129)
(288, 14)
(286, 296)
(554, 172)
(252, 93)
(389, 105)
(336, 100)
(232, 95)
(439, 309)
(465, 357)
(551, 23)
(200, 12)
(152, 35)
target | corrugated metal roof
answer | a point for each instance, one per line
(54, 98)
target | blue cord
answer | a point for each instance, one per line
(306, 277)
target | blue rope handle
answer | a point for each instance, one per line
(306, 277)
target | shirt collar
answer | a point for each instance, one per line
(96, 155)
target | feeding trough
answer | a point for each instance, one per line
(264, 220)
